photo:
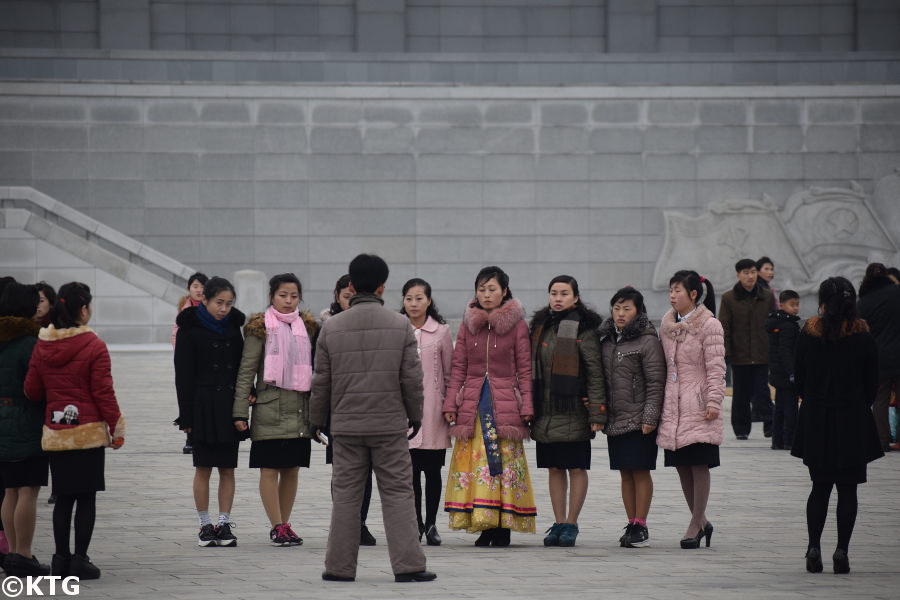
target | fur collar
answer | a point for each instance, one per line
(13, 328)
(589, 319)
(815, 327)
(503, 318)
(52, 334)
(639, 326)
(256, 326)
(678, 331)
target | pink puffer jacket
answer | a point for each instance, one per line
(495, 344)
(695, 362)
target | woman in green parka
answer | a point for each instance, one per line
(278, 351)
(22, 462)
(569, 395)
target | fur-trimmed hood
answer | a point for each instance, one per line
(13, 328)
(256, 325)
(502, 319)
(678, 331)
(816, 328)
(638, 326)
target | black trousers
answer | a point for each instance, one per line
(784, 419)
(751, 388)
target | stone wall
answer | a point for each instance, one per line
(440, 180)
(529, 26)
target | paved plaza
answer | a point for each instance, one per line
(146, 536)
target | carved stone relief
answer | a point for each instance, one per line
(820, 232)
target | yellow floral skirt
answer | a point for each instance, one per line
(477, 501)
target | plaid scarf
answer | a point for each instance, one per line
(564, 365)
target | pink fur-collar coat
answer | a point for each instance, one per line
(695, 379)
(495, 345)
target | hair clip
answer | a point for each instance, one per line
(63, 300)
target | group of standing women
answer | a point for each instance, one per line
(58, 409)
(560, 380)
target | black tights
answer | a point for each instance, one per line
(432, 495)
(817, 511)
(84, 521)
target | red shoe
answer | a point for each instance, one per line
(895, 447)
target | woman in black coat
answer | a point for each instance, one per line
(207, 356)
(836, 376)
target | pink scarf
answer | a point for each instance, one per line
(288, 362)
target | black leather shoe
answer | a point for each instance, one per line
(431, 536)
(28, 566)
(814, 560)
(365, 537)
(767, 429)
(332, 577)
(692, 542)
(485, 538)
(417, 576)
(841, 561)
(59, 565)
(83, 568)
(501, 538)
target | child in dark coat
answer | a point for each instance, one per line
(783, 327)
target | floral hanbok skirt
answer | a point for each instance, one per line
(477, 500)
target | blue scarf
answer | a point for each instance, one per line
(210, 322)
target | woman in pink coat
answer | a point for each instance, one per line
(488, 404)
(690, 428)
(428, 449)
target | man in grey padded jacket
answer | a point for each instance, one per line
(368, 378)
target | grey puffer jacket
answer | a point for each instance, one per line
(635, 369)
(368, 376)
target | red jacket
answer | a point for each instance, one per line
(496, 345)
(70, 368)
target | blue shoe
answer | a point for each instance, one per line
(552, 538)
(567, 534)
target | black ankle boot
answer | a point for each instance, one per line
(485, 538)
(501, 538)
(431, 536)
(814, 560)
(841, 561)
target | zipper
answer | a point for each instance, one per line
(487, 345)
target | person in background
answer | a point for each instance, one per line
(368, 378)
(207, 355)
(635, 370)
(836, 373)
(879, 305)
(743, 314)
(193, 299)
(340, 303)
(567, 370)
(277, 358)
(690, 429)
(428, 449)
(23, 464)
(893, 274)
(783, 328)
(70, 371)
(48, 299)
(765, 270)
(489, 408)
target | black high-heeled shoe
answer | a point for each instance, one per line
(708, 531)
(841, 561)
(486, 537)
(691, 543)
(814, 560)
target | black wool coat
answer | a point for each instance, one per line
(206, 367)
(837, 380)
(783, 330)
(879, 305)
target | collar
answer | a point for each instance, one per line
(365, 297)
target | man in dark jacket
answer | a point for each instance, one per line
(783, 327)
(743, 314)
(879, 305)
(368, 378)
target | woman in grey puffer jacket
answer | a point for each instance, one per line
(635, 371)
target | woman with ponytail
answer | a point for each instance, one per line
(207, 354)
(277, 363)
(690, 429)
(836, 374)
(70, 370)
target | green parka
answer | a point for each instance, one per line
(551, 426)
(277, 413)
(21, 421)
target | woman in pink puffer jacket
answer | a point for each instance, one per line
(690, 428)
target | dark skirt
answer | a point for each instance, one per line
(215, 455)
(632, 451)
(427, 460)
(30, 472)
(564, 455)
(842, 477)
(280, 454)
(695, 454)
(77, 471)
